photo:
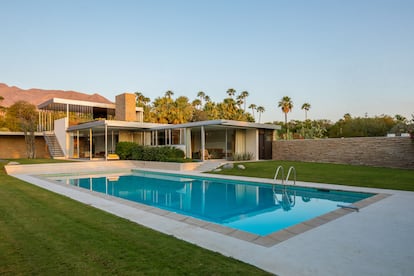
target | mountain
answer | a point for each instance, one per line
(12, 94)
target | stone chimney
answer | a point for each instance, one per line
(125, 107)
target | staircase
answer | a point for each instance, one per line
(53, 145)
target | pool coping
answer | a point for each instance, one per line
(265, 241)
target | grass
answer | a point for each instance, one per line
(362, 176)
(45, 233)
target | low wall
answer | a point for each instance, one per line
(96, 166)
(13, 146)
(395, 152)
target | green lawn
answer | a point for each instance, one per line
(42, 233)
(362, 176)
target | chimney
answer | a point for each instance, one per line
(125, 107)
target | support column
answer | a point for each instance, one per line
(112, 142)
(77, 143)
(203, 141)
(106, 142)
(225, 148)
(90, 144)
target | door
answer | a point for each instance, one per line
(265, 144)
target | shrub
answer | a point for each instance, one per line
(243, 156)
(132, 151)
(137, 152)
(124, 150)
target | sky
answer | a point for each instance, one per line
(348, 56)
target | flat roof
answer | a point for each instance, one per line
(52, 103)
(155, 126)
(230, 123)
(61, 104)
(114, 124)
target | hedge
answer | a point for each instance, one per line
(133, 151)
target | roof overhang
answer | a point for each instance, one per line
(228, 123)
(136, 126)
(113, 124)
(59, 104)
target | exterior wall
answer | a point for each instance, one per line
(252, 142)
(397, 152)
(125, 108)
(60, 132)
(125, 136)
(14, 146)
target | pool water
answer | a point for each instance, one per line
(252, 207)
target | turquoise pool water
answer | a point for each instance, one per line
(252, 207)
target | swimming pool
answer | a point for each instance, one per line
(252, 207)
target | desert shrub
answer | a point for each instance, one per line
(132, 151)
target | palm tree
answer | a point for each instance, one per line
(286, 104)
(231, 92)
(239, 101)
(141, 100)
(306, 107)
(260, 110)
(201, 95)
(243, 96)
(253, 108)
(197, 103)
(169, 93)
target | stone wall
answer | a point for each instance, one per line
(14, 146)
(125, 107)
(396, 152)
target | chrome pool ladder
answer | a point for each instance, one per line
(282, 171)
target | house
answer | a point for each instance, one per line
(99, 127)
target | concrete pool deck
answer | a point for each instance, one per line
(378, 240)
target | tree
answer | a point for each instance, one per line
(202, 96)
(286, 104)
(2, 108)
(306, 107)
(253, 108)
(260, 110)
(141, 100)
(231, 92)
(181, 112)
(243, 96)
(197, 103)
(169, 94)
(26, 116)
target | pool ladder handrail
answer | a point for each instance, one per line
(280, 168)
(285, 181)
(294, 175)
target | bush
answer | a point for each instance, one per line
(124, 150)
(132, 151)
(137, 152)
(243, 156)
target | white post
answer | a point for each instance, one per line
(106, 142)
(90, 144)
(203, 141)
